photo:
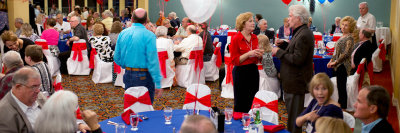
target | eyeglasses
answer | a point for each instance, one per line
(34, 87)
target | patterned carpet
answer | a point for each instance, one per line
(107, 100)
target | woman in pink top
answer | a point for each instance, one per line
(51, 36)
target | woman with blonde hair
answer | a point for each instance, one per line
(26, 32)
(12, 42)
(89, 25)
(268, 65)
(331, 125)
(38, 26)
(341, 60)
(116, 28)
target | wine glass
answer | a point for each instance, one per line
(246, 121)
(168, 115)
(228, 115)
(134, 119)
(189, 110)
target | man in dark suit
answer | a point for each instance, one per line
(296, 63)
(20, 107)
(336, 27)
(372, 108)
(263, 24)
(363, 49)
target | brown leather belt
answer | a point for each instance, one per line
(137, 69)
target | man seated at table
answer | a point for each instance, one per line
(62, 25)
(263, 24)
(181, 33)
(372, 108)
(336, 26)
(187, 44)
(12, 61)
(197, 124)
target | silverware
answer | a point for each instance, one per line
(173, 130)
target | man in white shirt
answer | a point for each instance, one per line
(187, 45)
(18, 23)
(366, 21)
(182, 30)
(62, 25)
(107, 19)
(73, 12)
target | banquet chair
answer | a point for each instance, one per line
(52, 61)
(78, 62)
(136, 99)
(192, 72)
(120, 76)
(57, 83)
(378, 57)
(227, 83)
(102, 71)
(165, 68)
(336, 37)
(268, 83)
(211, 68)
(268, 102)
(354, 84)
(198, 96)
(349, 119)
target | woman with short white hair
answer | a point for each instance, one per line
(164, 42)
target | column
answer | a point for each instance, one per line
(110, 4)
(72, 5)
(60, 5)
(86, 4)
(97, 8)
(121, 6)
(17, 9)
(46, 7)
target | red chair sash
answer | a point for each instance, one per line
(197, 55)
(317, 56)
(206, 100)
(317, 38)
(370, 69)
(273, 105)
(229, 69)
(43, 44)
(93, 53)
(57, 86)
(217, 52)
(162, 57)
(77, 48)
(361, 71)
(382, 54)
(335, 38)
(232, 33)
(117, 68)
(260, 67)
(130, 100)
(215, 44)
(78, 114)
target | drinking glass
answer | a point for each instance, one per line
(168, 115)
(134, 119)
(228, 115)
(189, 110)
(246, 121)
(120, 128)
(253, 128)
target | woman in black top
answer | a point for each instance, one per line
(12, 42)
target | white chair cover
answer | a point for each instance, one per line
(74, 66)
(224, 26)
(351, 86)
(137, 106)
(52, 61)
(119, 81)
(269, 106)
(349, 119)
(203, 100)
(102, 72)
(199, 11)
(227, 88)
(307, 99)
(210, 67)
(268, 83)
(187, 75)
(376, 61)
(167, 82)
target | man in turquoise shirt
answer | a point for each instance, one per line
(136, 52)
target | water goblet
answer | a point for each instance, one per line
(168, 115)
(246, 121)
(189, 110)
(134, 119)
(120, 128)
(228, 115)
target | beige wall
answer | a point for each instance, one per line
(394, 53)
(17, 9)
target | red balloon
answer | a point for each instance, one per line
(166, 0)
(286, 1)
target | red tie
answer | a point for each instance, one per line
(77, 48)
(218, 61)
(206, 100)
(162, 57)
(273, 105)
(197, 55)
(93, 53)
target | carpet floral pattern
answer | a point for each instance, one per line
(107, 100)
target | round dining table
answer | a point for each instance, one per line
(155, 123)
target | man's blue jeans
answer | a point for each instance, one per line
(139, 78)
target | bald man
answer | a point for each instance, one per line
(136, 52)
(197, 124)
(187, 44)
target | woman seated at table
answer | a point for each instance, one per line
(207, 41)
(321, 89)
(341, 60)
(168, 44)
(89, 26)
(51, 35)
(27, 32)
(363, 49)
(12, 42)
(171, 30)
(105, 32)
(285, 31)
(38, 26)
(58, 115)
(101, 43)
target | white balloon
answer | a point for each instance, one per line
(199, 11)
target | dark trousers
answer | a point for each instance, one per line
(294, 106)
(63, 56)
(341, 82)
(245, 86)
(139, 78)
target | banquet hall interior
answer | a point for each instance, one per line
(108, 99)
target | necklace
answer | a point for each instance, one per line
(249, 45)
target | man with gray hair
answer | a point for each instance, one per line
(263, 25)
(187, 45)
(296, 63)
(107, 19)
(336, 26)
(12, 62)
(174, 20)
(21, 106)
(197, 124)
(18, 23)
(366, 21)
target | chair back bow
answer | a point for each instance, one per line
(117, 68)
(206, 100)
(130, 100)
(162, 57)
(77, 48)
(197, 55)
(272, 105)
(43, 43)
(93, 53)
(229, 64)
(382, 53)
(361, 71)
(217, 52)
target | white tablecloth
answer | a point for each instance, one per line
(383, 33)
